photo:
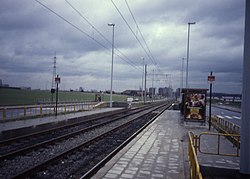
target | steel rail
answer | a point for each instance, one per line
(106, 114)
(66, 136)
(46, 163)
(98, 166)
(53, 140)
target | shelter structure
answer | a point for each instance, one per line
(193, 104)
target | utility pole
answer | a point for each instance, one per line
(145, 94)
(210, 100)
(112, 64)
(190, 23)
(153, 85)
(142, 78)
(182, 68)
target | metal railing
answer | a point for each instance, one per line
(194, 166)
(19, 112)
(195, 146)
(217, 147)
(225, 126)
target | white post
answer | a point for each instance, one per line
(145, 84)
(182, 68)
(190, 23)
(142, 78)
(245, 113)
(153, 85)
(112, 64)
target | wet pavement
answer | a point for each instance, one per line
(160, 151)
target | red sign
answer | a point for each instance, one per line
(211, 78)
(57, 80)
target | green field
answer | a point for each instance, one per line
(25, 97)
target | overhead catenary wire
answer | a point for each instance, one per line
(133, 32)
(149, 54)
(103, 36)
(77, 28)
(84, 33)
(137, 26)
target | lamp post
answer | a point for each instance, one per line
(182, 69)
(111, 85)
(142, 78)
(189, 23)
(145, 84)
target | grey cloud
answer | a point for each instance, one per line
(30, 35)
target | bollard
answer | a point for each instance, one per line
(41, 110)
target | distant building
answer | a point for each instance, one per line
(152, 91)
(1, 83)
(227, 97)
(132, 92)
(167, 92)
(178, 92)
(25, 88)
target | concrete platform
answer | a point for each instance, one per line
(160, 151)
(156, 153)
(26, 123)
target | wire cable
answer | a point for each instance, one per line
(80, 30)
(137, 26)
(130, 62)
(77, 28)
(132, 31)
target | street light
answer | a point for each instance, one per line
(189, 23)
(142, 78)
(182, 69)
(111, 90)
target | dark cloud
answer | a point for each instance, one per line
(30, 35)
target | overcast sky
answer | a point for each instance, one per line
(31, 34)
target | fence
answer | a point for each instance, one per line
(225, 126)
(215, 148)
(217, 138)
(192, 157)
(19, 112)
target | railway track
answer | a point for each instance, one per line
(61, 155)
(18, 145)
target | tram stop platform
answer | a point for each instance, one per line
(161, 151)
(11, 128)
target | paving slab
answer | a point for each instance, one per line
(157, 152)
(160, 151)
